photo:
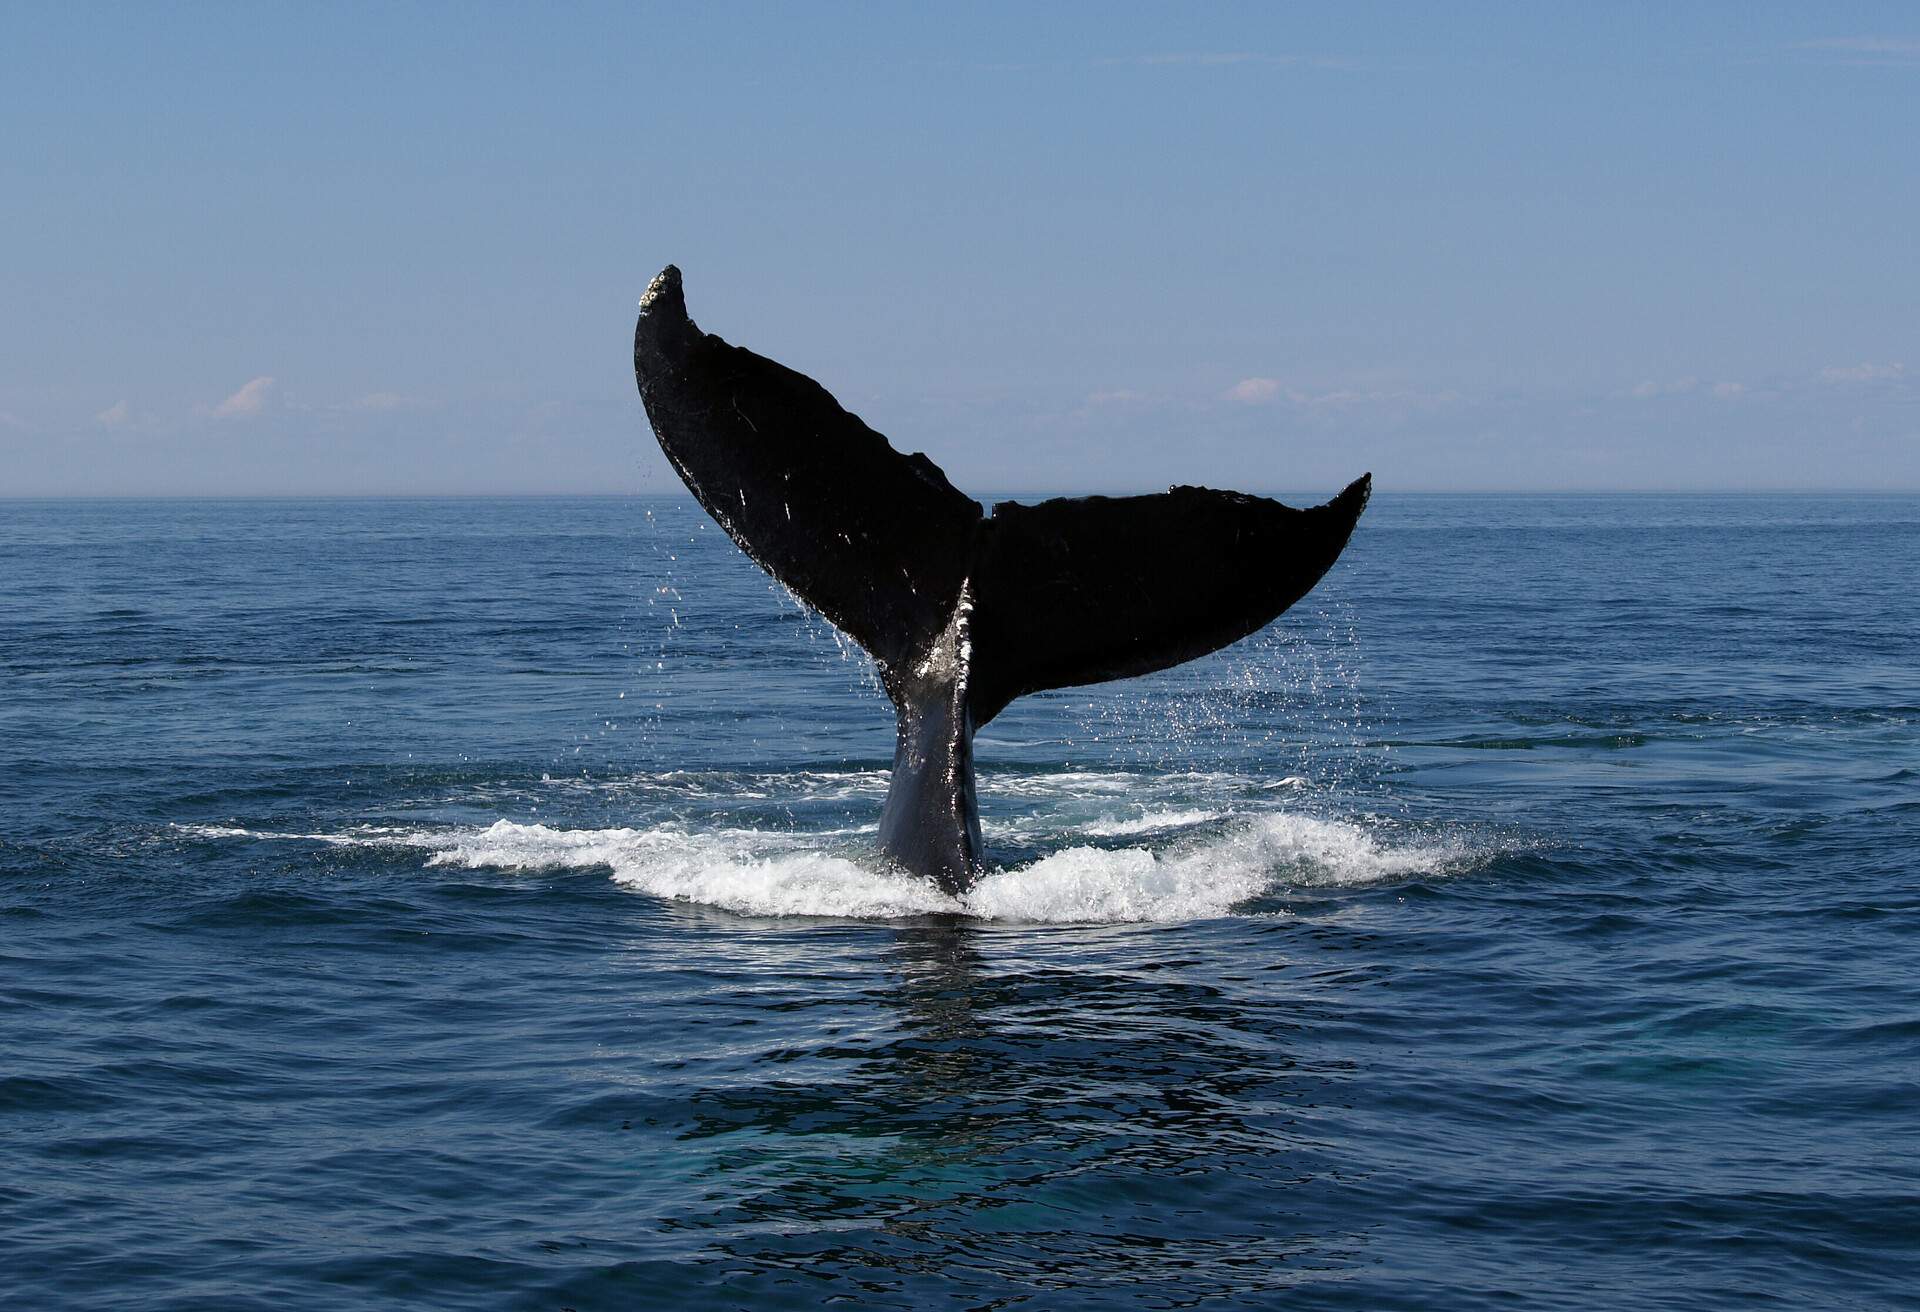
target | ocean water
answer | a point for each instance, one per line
(471, 904)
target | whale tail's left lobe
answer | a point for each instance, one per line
(961, 612)
(875, 541)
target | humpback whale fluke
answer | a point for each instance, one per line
(961, 611)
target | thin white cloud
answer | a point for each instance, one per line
(249, 401)
(1351, 398)
(8, 419)
(1675, 387)
(1227, 59)
(1340, 398)
(382, 401)
(377, 402)
(1217, 57)
(1254, 391)
(1868, 49)
(1183, 59)
(1386, 397)
(114, 415)
(1727, 391)
(1865, 372)
(1117, 396)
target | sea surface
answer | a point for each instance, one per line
(472, 903)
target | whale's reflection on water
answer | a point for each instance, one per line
(1041, 1109)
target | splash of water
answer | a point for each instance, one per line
(1205, 874)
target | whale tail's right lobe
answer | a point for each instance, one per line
(1086, 589)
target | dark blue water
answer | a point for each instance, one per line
(469, 903)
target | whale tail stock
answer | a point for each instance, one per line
(961, 611)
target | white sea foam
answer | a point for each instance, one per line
(360, 836)
(1203, 879)
(1083, 784)
(759, 873)
(784, 873)
(856, 783)
(1151, 822)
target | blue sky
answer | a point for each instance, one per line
(397, 249)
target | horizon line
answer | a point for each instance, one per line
(997, 494)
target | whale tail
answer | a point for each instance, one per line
(962, 611)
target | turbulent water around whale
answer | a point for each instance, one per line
(473, 903)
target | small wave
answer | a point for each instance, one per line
(1206, 879)
(859, 782)
(361, 836)
(1081, 784)
(721, 785)
(1151, 822)
(758, 873)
